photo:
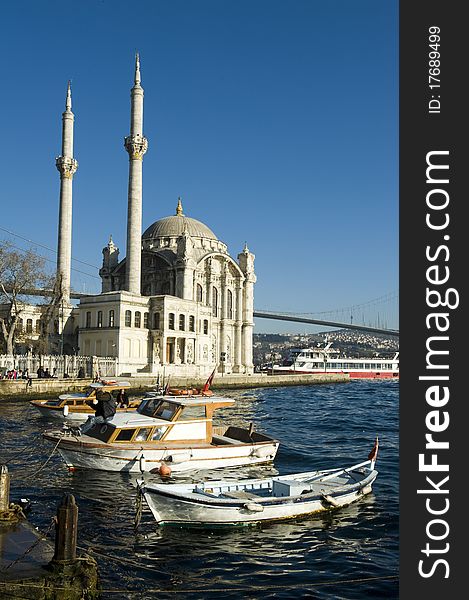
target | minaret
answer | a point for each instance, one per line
(67, 166)
(136, 145)
(246, 264)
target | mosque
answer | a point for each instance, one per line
(178, 301)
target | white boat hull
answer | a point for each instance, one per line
(138, 460)
(54, 413)
(172, 510)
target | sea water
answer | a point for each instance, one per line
(345, 554)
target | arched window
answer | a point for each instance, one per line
(214, 301)
(145, 320)
(100, 318)
(171, 321)
(182, 322)
(229, 304)
(128, 318)
(19, 325)
(88, 319)
(38, 326)
(199, 293)
(29, 325)
(138, 319)
(191, 323)
(111, 318)
(156, 320)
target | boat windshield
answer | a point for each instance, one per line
(158, 408)
(54, 402)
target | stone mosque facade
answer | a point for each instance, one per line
(178, 303)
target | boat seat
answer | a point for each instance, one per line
(222, 439)
(240, 495)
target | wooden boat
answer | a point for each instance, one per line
(75, 407)
(165, 433)
(249, 501)
(203, 391)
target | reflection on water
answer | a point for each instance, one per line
(349, 553)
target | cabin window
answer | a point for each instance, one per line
(100, 318)
(138, 319)
(145, 320)
(156, 320)
(191, 323)
(171, 321)
(165, 410)
(111, 318)
(125, 435)
(102, 431)
(214, 301)
(190, 413)
(142, 434)
(205, 327)
(128, 318)
(158, 433)
(182, 322)
(229, 305)
(88, 319)
(199, 293)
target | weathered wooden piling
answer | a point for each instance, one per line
(4, 488)
(66, 529)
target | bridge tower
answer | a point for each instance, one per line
(136, 145)
(67, 166)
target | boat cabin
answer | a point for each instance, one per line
(163, 419)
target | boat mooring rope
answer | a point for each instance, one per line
(21, 451)
(41, 538)
(43, 465)
(138, 593)
(138, 508)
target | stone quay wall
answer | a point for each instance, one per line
(48, 388)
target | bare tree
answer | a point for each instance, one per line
(21, 272)
(49, 311)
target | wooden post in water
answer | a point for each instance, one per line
(66, 529)
(4, 488)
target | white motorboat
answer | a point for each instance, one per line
(244, 502)
(79, 406)
(166, 433)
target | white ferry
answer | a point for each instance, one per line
(325, 359)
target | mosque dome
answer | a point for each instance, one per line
(175, 225)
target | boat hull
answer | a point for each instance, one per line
(351, 374)
(58, 413)
(137, 459)
(51, 412)
(170, 510)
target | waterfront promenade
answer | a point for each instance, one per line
(141, 384)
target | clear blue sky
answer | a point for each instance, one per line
(275, 121)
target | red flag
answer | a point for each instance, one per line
(374, 452)
(208, 383)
